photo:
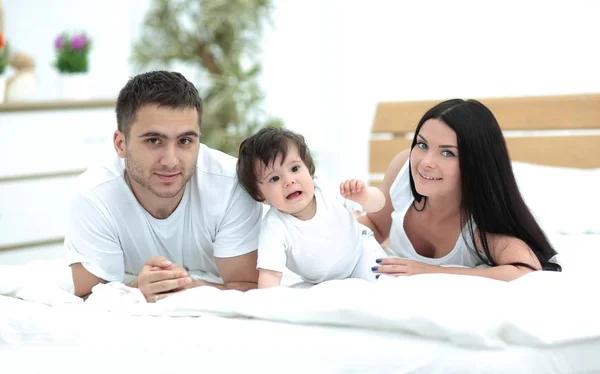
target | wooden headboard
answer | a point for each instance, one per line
(524, 120)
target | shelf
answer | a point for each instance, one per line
(29, 106)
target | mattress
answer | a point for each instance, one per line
(414, 325)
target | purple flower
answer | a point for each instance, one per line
(78, 42)
(58, 42)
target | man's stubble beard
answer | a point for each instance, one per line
(136, 172)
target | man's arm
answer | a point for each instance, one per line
(238, 273)
(235, 245)
(269, 278)
(91, 240)
(83, 280)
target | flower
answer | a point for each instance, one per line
(3, 53)
(78, 42)
(72, 52)
(58, 42)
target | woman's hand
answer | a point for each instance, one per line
(396, 267)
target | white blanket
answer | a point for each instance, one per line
(470, 311)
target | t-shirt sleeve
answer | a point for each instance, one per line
(272, 245)
(240, 227)
(91, 240)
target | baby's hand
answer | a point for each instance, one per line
(354, 189)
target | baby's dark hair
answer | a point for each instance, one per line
(265, 146)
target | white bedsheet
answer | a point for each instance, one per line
(543, 323)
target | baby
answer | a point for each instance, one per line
(306, 230)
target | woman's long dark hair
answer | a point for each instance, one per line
(490, 198)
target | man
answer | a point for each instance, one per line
(166, 206)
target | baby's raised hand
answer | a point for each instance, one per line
(354, 189)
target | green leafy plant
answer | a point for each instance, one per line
(220, 40)
(72, 53)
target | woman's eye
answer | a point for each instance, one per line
(295, 169)
(274, 179)
(447, 154)
(422, 145)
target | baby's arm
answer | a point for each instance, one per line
(272, 255)
(370, 198)
(269, 278)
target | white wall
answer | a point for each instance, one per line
(32, 25)
(328, 62)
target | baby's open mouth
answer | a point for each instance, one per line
(294, 195)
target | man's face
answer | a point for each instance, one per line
(160, 152)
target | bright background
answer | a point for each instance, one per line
(326, 63)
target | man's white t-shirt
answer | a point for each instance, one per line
(331, 245)
(112, 235)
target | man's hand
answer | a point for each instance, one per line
(160, 278)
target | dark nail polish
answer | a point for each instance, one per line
(377, 276)
(374, 268)
(378, 260)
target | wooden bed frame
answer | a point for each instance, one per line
(573, 121)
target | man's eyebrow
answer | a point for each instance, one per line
(441, 146)
(155, 134)
(189, 133)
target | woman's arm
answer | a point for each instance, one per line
(501, 272)
(506, 251)
(381, 221)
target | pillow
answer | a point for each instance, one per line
(563, 200)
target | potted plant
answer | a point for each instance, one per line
(72, 63)
(3, 65)
(221, 39)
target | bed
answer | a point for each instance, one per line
(542, 322)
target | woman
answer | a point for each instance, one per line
(452, 202)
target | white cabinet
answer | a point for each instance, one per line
(41, 154)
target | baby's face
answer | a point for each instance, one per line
(287, 184)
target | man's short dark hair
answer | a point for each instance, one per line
(163, 88)
(265, 146)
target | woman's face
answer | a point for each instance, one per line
(434, 160)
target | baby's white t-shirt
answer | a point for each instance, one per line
(112, 235)
(328, 246)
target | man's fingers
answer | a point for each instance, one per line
(158, 261)
(161, 275)
(168, 285)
